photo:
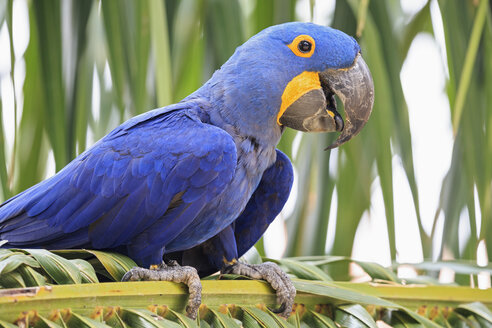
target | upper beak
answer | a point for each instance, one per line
(355, 89)
(316, 110)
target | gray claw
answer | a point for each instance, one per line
(175, 273)
(277, 278)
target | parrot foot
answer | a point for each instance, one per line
(275, 276)
(172, 271)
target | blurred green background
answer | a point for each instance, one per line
(89, 65)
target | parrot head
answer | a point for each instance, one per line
(289, 74)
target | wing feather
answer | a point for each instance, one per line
(139, 186)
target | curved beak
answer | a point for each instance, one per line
(355, 88)
(315, 109)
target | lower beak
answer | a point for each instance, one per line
(312, 113)
(315, 110)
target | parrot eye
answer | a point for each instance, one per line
(303, 46)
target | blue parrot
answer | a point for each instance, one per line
(187, 189)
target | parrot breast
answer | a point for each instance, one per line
(252, 160)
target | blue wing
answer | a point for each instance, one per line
(264, 205)
(139, 186)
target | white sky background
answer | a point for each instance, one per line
(423, 78)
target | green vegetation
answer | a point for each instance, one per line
(71, 295)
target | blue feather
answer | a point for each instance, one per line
(78, 239)
(168, 227)
(146, 165)
(128, 221)
(104, 163)
(135, 164)
(90, 212)
(188, 165)
(155, 191)
(201, 178)
(72, 205)
(99, 229)
(119, 166)
(192, 194)
(108, 187)
(95, 183)
(129, 182)
(42, 204)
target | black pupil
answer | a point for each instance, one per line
(304, 46)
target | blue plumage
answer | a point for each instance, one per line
(200, 180)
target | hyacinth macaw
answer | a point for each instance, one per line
(188, 188)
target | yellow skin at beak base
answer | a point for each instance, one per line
(296, 88)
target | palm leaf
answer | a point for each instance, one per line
(92, 304)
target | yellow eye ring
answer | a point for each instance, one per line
(303, 46)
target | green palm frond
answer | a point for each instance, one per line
(146, 54)
(63, 288)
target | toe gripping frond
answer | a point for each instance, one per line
(172, 271)
(275, 276)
